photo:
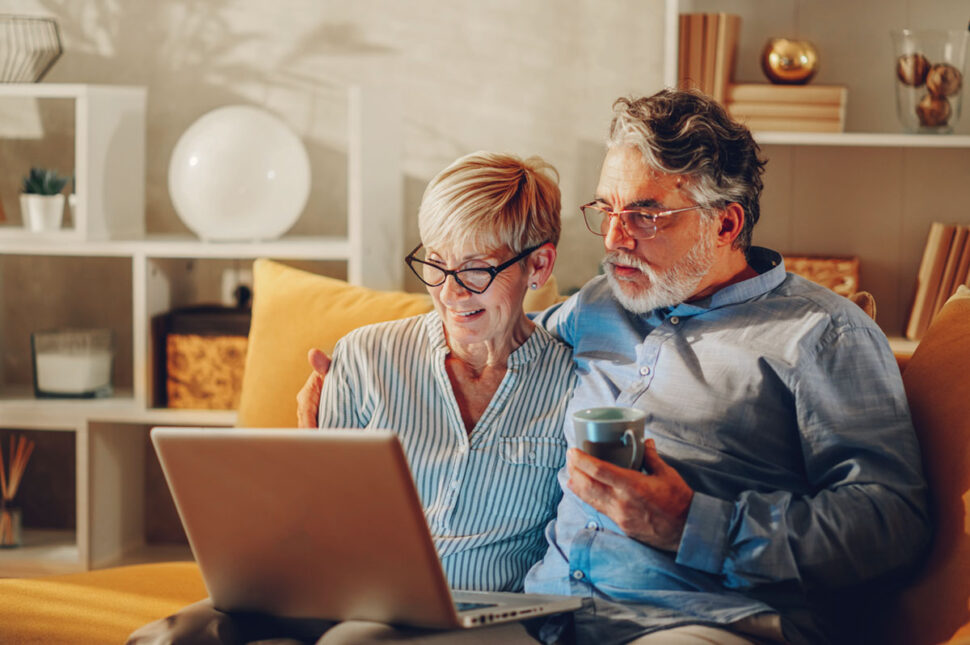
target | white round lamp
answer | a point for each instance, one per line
(239, 173)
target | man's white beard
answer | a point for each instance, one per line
(667, 288)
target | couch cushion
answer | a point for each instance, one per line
(933, 607)
(294, 311)
(96, 607)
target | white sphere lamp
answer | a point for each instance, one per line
(239, 173)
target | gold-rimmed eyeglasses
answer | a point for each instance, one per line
(638, 223)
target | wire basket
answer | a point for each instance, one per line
(29, 47)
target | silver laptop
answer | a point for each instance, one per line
(319, 524)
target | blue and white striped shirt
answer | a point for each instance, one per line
(487, 495)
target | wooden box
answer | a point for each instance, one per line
(200, 353)
(838, 273)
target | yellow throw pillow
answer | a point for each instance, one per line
(295, 310)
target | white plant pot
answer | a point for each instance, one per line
(42, 213)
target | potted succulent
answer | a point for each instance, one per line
(42, 203)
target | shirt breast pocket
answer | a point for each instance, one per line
(526, 451)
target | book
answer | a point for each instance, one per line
(954, 272)
(683, 49)
(928, 278)
(695, 55)
(710, 53)
(781, 124)
(728, 30)
(831, 111)
(706, 52)
(768, 93)
(948, 277)
(963, 267)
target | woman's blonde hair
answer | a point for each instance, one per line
(490, 201)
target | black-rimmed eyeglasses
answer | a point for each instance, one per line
(474, 279)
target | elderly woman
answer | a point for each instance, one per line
(475, 391)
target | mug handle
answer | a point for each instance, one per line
(636, 458)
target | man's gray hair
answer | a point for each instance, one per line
(687, 133)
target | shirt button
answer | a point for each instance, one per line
(455, 484)
(462, 450)
(644, 370)
(532, 456)
(592, 525)
(578, 575)
(674, 320)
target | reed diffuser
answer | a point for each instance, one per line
(20, 451)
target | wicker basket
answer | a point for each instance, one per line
(30, 47)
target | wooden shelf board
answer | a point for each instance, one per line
(43, 551)
(64, 90)
(147, 553)
(20, 409)
(863, 139)
(903, 346)
(296, 247)
(15, 240)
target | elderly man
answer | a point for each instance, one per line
(781, 464)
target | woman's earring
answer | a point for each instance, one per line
(534, 286)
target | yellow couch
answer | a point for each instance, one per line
(105, 606)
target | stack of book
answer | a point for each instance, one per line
(707, 52)
(944, 267)
(788, 108)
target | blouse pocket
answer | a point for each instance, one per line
(524, 451)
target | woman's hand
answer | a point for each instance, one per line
(308, 398)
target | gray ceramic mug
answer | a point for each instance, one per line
(613, 434)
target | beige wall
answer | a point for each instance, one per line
(530, 77)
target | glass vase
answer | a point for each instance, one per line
(929, 69)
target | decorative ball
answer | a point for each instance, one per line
(944, 79)
(911, 69)
(239, 173)
(933, 111)
(786, 61)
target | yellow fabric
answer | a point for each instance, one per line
(295, 310)
(97, 607)
(932, 609)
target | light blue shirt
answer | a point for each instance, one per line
(487, 495)
(781, 405)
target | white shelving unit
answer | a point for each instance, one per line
(110, 434)
(109, 159)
